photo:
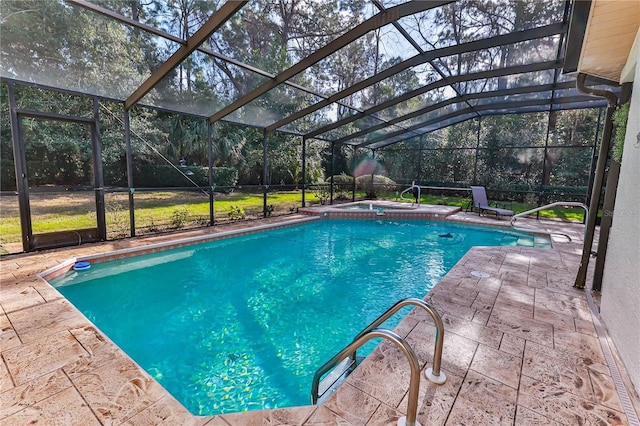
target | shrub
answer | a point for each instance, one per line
(118, 220)
(342, 186)
(322, 192)
(531, 199)
(341, 195)
(380, 183)
(179, 218)
(620, 118)
(236, 212)
(224, 176)
(342, 179)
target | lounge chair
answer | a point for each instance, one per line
(480, 202)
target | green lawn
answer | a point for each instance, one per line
(571, 214)
(156, 211)
(153, 211)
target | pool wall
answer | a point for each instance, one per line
(67, 265)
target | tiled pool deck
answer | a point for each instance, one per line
(520, 349)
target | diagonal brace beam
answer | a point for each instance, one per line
(376, 21)
(572, 101)
(155, 31)
(459, 99)
(487, 107)
(425, 57)
(204, 32)
(500, 72)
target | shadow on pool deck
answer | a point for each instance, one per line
(520, 348)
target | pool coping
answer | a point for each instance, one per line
(393, 210)
(108, 256)
(97, 407)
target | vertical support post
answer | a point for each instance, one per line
(551, 122)
(304, 169)
(605, 225)
(594, 159)
(552, 115)
(419, 174)
(265, 171)
(98, 175)
(595, 198)
(211, 184)
(129, 157)
(608, 206)
(612, 99)
(373, 171)
(20, 162)
(475, 164)
(353, 187)
(333, 165)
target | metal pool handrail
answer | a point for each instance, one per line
(420, 188)
(414, 381)
(565, 204)
(433, 374)
(407, 190)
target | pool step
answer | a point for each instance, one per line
(339, 374)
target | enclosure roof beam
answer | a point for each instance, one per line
(399, 27)
(375, 22)
(558, 104)
(574, 102)
(417, 46)
(128, 21)
(575, 35)
(566, 103)
(545, 31)
(501, 72)
(560, 54)
(488, 107)
(120, 18)
(459, 99)
(214, 22)
(54, 116)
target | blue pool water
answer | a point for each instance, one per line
(243, 323)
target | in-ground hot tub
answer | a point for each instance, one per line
(377, 209)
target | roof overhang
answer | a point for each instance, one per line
(610, 32)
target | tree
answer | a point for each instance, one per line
(509, 155)
(186, 138)
(64, 46)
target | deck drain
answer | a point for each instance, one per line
(621, 389)
(480, 274)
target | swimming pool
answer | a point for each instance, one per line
(243, 323)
